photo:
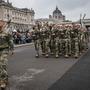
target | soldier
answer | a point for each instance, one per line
(47, 40)
(56, 41)
(52, 40)
(42, 40)
(86, 38)
(5, 44)
(63, 49)
(36, 39)
(67, 40)
(75, 40)
(61, 34)
(83, 46)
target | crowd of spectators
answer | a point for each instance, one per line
(21, 37)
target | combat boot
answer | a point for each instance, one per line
(3, 84)
(76, 56)
(37, 55)
(46, 55)
(66, 56)
(57, 56)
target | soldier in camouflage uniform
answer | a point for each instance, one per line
(63, 42)
(5, 43)
(67, 40)
(52, 40)
(75, 41)
(86, 36)
(63, 39)
(61, 34)
(42, 40)
(47, 40)
(56, 41)
(36, 39)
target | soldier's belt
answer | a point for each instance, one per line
(4, 48)
(64, 39)
(75, 38)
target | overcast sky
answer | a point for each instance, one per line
(43, 8)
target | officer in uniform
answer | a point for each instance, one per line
(5, 44)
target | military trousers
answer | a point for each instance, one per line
(3, 64)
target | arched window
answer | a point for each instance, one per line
(59, 17)
(55, 17)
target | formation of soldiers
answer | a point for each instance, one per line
(68, 40)
(60, 39)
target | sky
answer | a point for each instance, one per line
(43, 8)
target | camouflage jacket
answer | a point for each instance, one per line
(5, 40)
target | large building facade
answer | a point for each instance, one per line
(21, 19)
(57, 15)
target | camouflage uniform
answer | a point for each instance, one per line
(5, 44)
(56, 31)
(47, 40)
(86, 39)
(42, 40)
(62, 39)
(52, 41)
(75, 42)
(61, 34)
(69, 39)
(36, 39)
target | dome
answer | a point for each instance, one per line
(57, 11)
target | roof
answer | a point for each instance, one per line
(7, 4)
(57, 11)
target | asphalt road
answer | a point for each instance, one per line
(29, 73)
(76, 78)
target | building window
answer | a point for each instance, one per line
(15, 17)
(59, 17)
(56, 17)
(12, 13)
(5, 16)
(25, 19)
(12, 17)
(15, 13)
